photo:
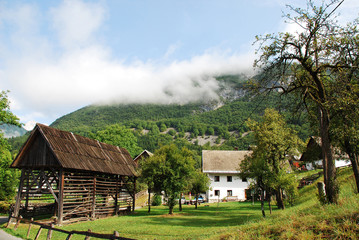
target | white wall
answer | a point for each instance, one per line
(237, 186)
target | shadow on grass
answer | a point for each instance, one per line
(224, 214)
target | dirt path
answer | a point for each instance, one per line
(3, 234)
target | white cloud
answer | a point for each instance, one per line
(29, 125)
(76, 22)
(50, 78)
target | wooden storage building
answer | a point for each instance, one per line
(72, 177)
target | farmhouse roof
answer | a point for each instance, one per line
(50, 147)
(217, 161)
(313, 151)
(143, 155)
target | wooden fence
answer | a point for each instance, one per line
(50, 227)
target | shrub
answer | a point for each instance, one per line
(4, 207)
(156, 200)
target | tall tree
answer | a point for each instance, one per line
(274, 143)
(8, 177)
(344, 101)
(254, 167)
(170, 170)
(302, 63)
(200, 184)
(151, 172)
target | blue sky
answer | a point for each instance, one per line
(59, 56)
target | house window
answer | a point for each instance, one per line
(244, 180)
(229, 193)
(216, 192)
(216, 178)
(229, 178)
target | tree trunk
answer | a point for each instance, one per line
(149, 200)
(331, 186)
(262, 203)
(279, 197)
(170, 209)
(196, 201)
(171, 203)
(180, 203)
(269, 196)
(354, 161)
(355, 168)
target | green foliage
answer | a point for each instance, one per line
(4, 207)
(119, 136)
(200, 183)
(168, 170)
(8, 176)
(319, 64)
(6, 116)
(172, 132)
(268, 163)
(156, 200)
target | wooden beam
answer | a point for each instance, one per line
(94, 197)
(60, 203)
(134, 195)
(49, 185)
(116, 196)
(18, 197)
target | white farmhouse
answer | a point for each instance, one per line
(222, 168)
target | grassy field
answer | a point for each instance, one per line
(205, 222)
(306, 220)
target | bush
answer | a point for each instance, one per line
(172, 132)
(157, 200)
(4, 207)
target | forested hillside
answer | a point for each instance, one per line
(216, 124)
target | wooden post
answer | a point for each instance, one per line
(49, 232)
(27, 191)
(18, 197)
(116, 197)
(38, 233)
(18, 220)
(69, 236)
(94, 197)
(60, 203)
(28, 231)
(88, 237)
(134, 194)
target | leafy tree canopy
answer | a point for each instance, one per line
(169, 170)
(8, 177)
(268, 164)
(119, 136)
(309, 63)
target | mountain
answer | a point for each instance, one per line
(215, 124)
(94, 117)
(10, 131)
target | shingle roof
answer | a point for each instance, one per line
(71, 151)
(222, 161)
(144, 154)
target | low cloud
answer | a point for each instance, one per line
(54, 75)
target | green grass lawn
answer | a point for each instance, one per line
(204, 222)
(306, 220)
